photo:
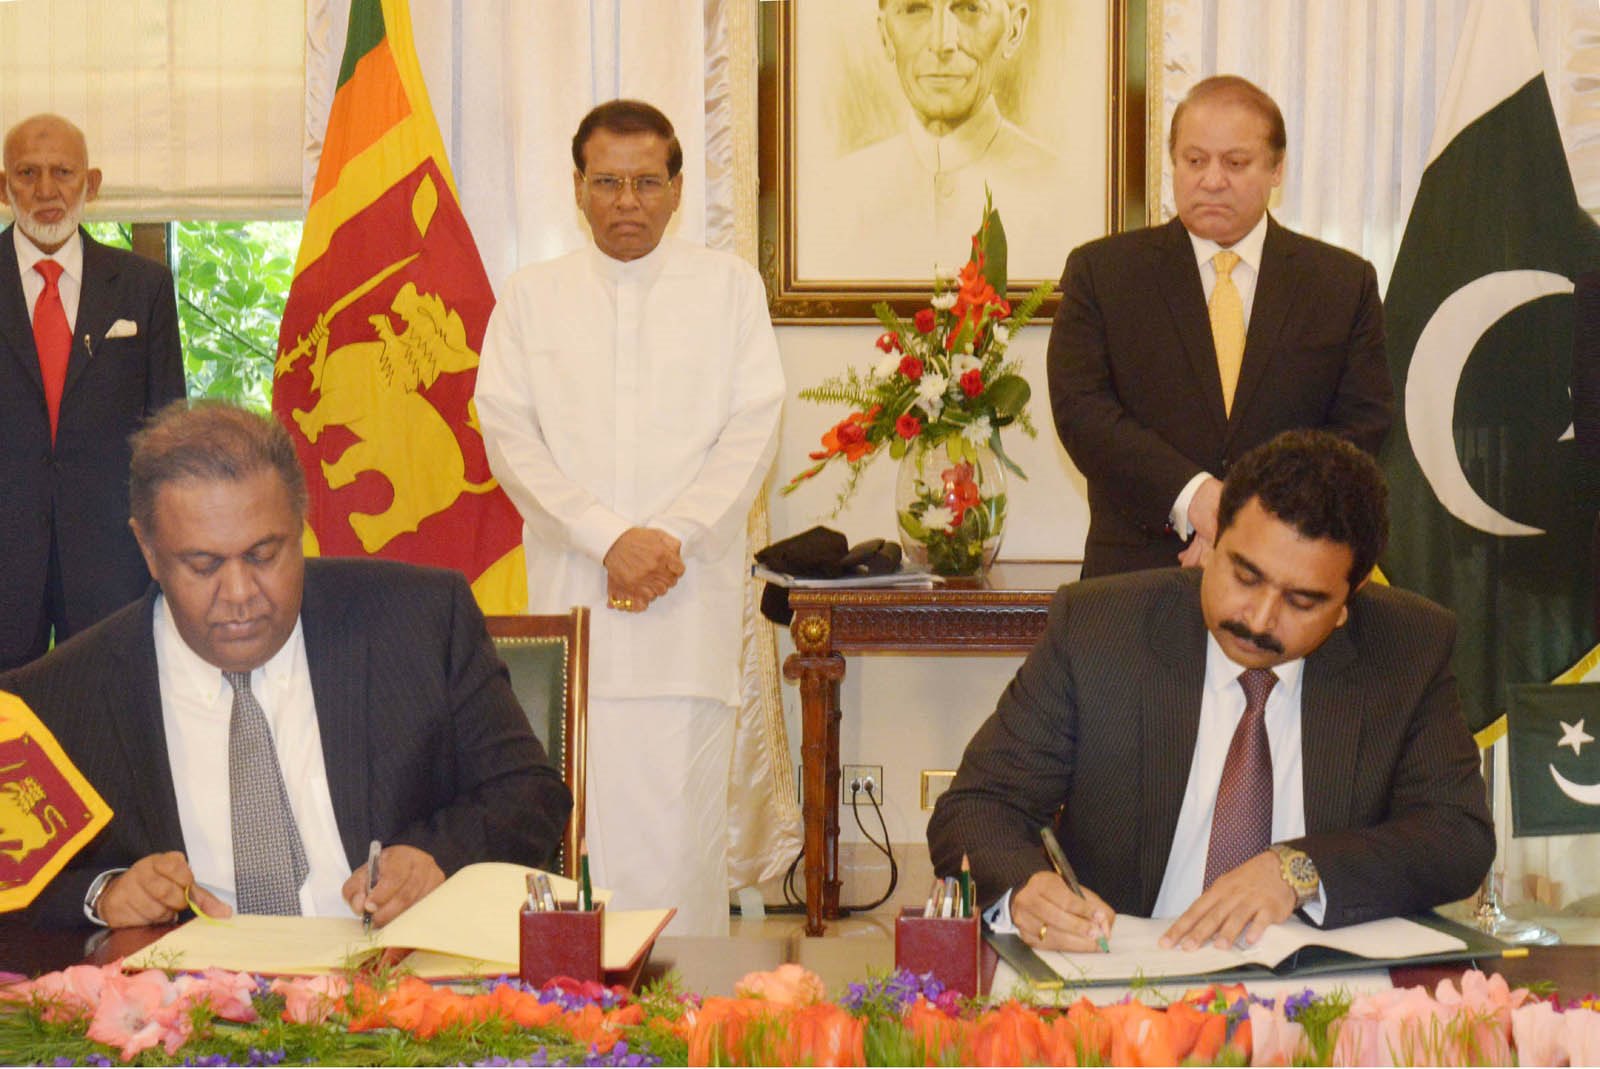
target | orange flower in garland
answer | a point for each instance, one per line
(960, 491)
(974, 297)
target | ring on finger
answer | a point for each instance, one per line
(1044, 930)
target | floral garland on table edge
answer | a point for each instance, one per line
(944, 380)
(94, 1015)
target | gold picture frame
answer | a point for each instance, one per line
(828, 74)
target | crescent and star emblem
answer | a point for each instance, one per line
(1574, 736)
(1436, 365)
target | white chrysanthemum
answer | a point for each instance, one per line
(932, 387)
(944, 301)
(887, 366)
(963, 363)
(978, 431)
(1001, 336)
(938, 518)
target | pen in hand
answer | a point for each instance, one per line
(373, 850)
(1058, 861)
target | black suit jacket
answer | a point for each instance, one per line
(423, 739)
(1135, 390)
(1101, 723)
(79, 486)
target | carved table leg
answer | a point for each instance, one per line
(818, 671)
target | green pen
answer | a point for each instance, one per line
(1058, 861)
(585, 889)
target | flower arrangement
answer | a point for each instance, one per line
(942, 391)
(99, 1016)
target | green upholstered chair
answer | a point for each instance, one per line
(549, 661)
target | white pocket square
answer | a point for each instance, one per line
(123, 328)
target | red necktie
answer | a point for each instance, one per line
(53, 338)
(1241, 826)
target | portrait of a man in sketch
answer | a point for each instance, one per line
(927, 103)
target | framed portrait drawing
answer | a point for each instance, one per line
(884, 121)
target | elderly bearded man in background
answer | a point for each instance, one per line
(88, 349)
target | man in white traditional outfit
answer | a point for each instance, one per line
(629, 396)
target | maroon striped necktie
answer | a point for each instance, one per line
(1241, 826)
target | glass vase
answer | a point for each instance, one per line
(950, 506)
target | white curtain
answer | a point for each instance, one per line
(1360, 83)
(192, 108)
(509, 81)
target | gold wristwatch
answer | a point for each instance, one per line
(1298, 871)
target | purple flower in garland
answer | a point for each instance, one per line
(208, 1060)
(891, 994)
(1295, 1005)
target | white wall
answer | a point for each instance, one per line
(912, 713)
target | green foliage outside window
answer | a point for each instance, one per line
(232, 281)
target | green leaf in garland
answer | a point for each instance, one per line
(1000, 454)
(994, 245)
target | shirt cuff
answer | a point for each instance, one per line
(998, 916)
(1179, 516)
(1317, 908)
(597, 530)
(91, 897)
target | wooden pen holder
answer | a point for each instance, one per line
(565, 941)
(948, 947)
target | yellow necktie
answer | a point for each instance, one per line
(1227, 325)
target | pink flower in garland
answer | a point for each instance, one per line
(908, 426)
(972, 383)
(889, 341)
(911, 368)
(924, 320)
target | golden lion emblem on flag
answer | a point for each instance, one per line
(48, 811)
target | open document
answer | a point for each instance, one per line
(467, 926)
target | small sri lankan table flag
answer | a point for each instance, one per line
(48, 811)
(378, 351)
(1554, 759)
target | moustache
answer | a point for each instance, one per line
(1262, 641)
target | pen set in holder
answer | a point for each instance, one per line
(561, 938)
(942, 936)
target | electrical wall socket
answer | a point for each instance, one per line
(860, 777)
(857, 774)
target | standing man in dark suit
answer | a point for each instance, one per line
(88, 348)
(1177, 348)
(353, 700)
(1228, 746)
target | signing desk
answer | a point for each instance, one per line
(1002, 613)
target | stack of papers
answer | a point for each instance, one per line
(905, 577)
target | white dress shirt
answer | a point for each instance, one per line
(1221, 708)
(1244, 275)
(636, 394)
(69, 256)
(196, 705)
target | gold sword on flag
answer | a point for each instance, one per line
(288, 360)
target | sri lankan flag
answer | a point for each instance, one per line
(378, 352)
(48, 811)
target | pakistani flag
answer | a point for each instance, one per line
(1491, 515)
(1555, 760)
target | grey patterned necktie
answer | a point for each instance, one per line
(269, 861)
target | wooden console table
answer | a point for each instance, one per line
(1003, 613)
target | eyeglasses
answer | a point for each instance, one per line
(647, 187)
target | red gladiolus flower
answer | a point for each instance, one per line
(911, 368)
(849, 436)
(972, 382)
(908, 426)
(924, 320)
(889, 341)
